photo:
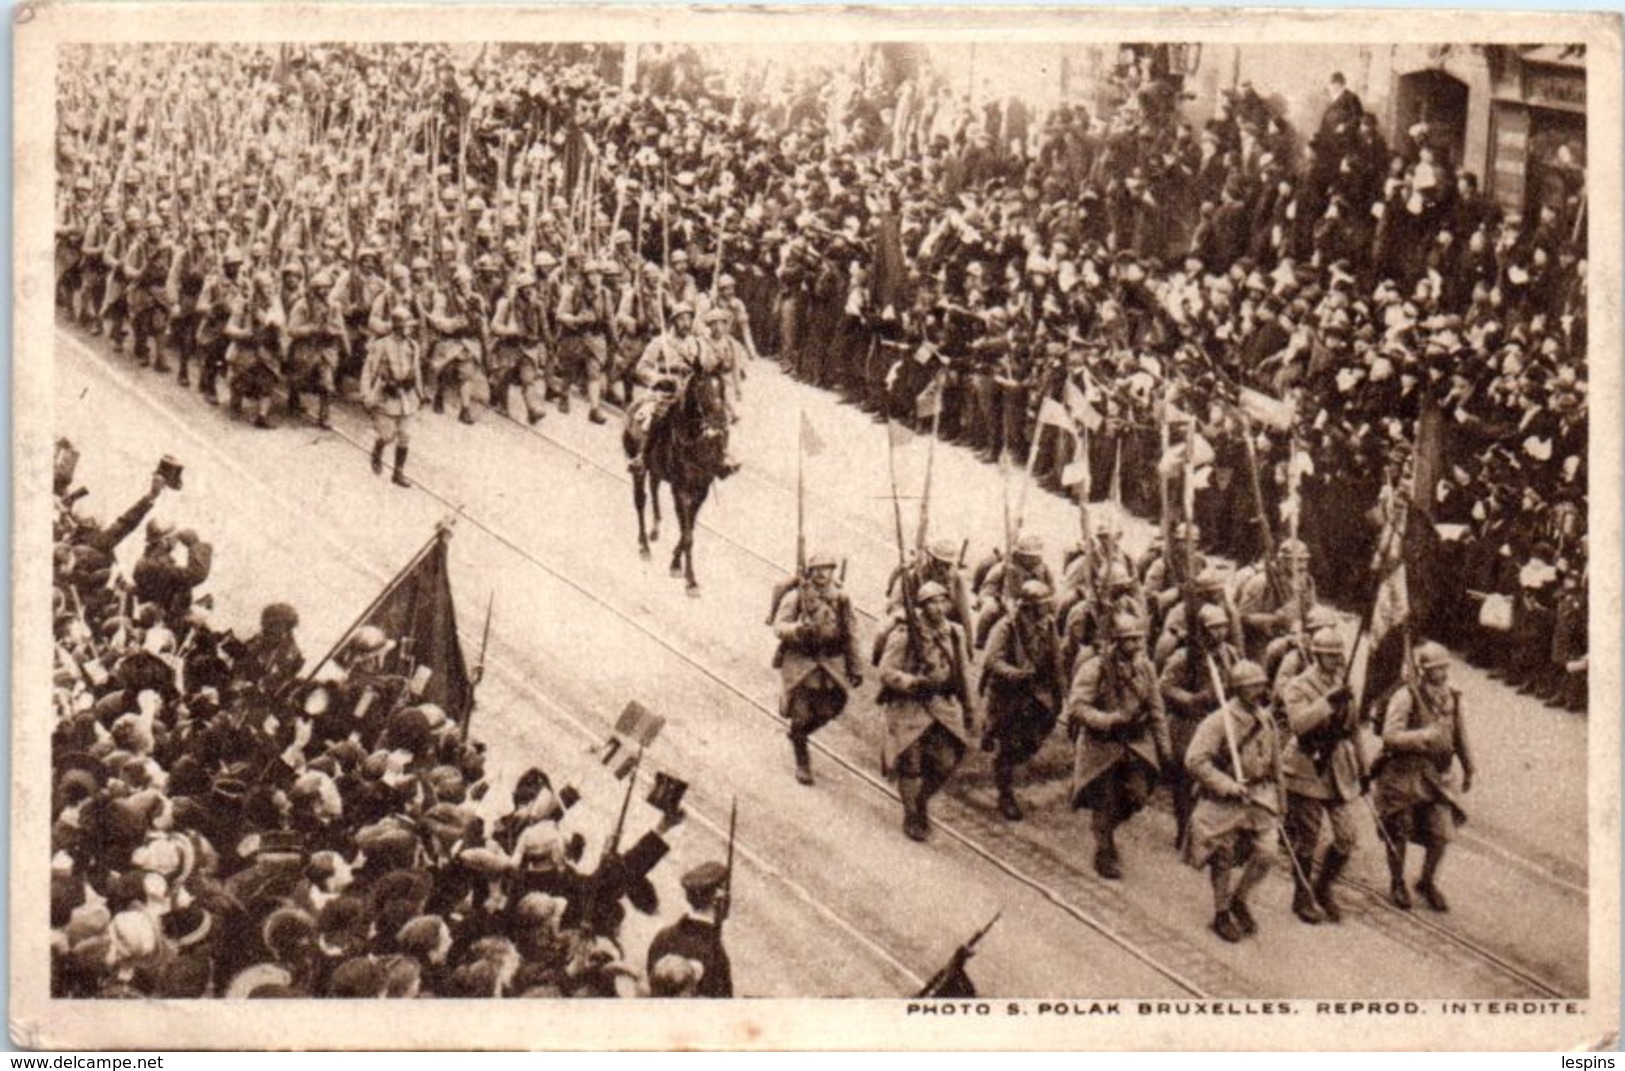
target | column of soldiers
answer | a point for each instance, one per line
(408, 329)
(1242, 706)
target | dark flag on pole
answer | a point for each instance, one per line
(890, 268)
(415, 610)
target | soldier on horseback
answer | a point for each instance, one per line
(667, 364)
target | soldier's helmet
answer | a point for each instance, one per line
(718, 316)
(400, 314)
(1326, 641)
(293, 267)
(278, 615)
(1118, 576)
(546, 261)
(1033, 591)
(725, 282)
(592, 267)
(1294, 549)
(1128, 626)
(931, 590)
(944, 551)
(523, 278)
(821, 560)
(682, 308)
(1210, 580)
(1212, 617)
(321, 281)
(1247, 672)
(1030, 546)
(679, 256)
(1320, 617)
(1431, 656)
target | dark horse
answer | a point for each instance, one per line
(688, 449)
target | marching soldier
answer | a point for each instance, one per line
(221, 292)
(941, 565)
(519, 349)
(1024, 689)
(189, 268)
(724, 353)
(255, 330)
(1236, 809)
(729, 300)
(586, 318)
(458, 318)
(1189, 695)
(1274, 601)
(928, 706)
(1088, 622)
(93, 267)
(316, 342)
(817, 657)
(114, 306)
(1001, 579)
(146, 268)
(392, 389)
(1115, 714)
(1323, 777)
(1417, 794)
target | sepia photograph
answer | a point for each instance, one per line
(1033, 530)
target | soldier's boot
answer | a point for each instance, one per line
(916, 823)
(1225, 923)
(1304, 903)
(181, 375)
(1226, 926)
(399, 479)
(293, 403)
(324, 412)
(1255, 870)
(803, 753)
(1397, 892)
(1426, 888)
(564, 401)
(155, 349)
(440, 400)
(1107, 863)
(595, 401)
(1331, 868)
(465, 402)
(1004, 777)
(236, 407)
(378, 458)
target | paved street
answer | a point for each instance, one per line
(833, 900)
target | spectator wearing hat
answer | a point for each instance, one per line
(696, 938)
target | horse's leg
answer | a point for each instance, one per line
(654, 496)
(638, 500)
(691, 522)
(679, 505)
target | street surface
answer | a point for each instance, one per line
(831, 900)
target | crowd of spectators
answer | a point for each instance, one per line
(223, 825)
(882, 236)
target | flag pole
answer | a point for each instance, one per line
(921, 536)
(442, 534)
(801, 496)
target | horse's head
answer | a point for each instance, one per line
(702, 423)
